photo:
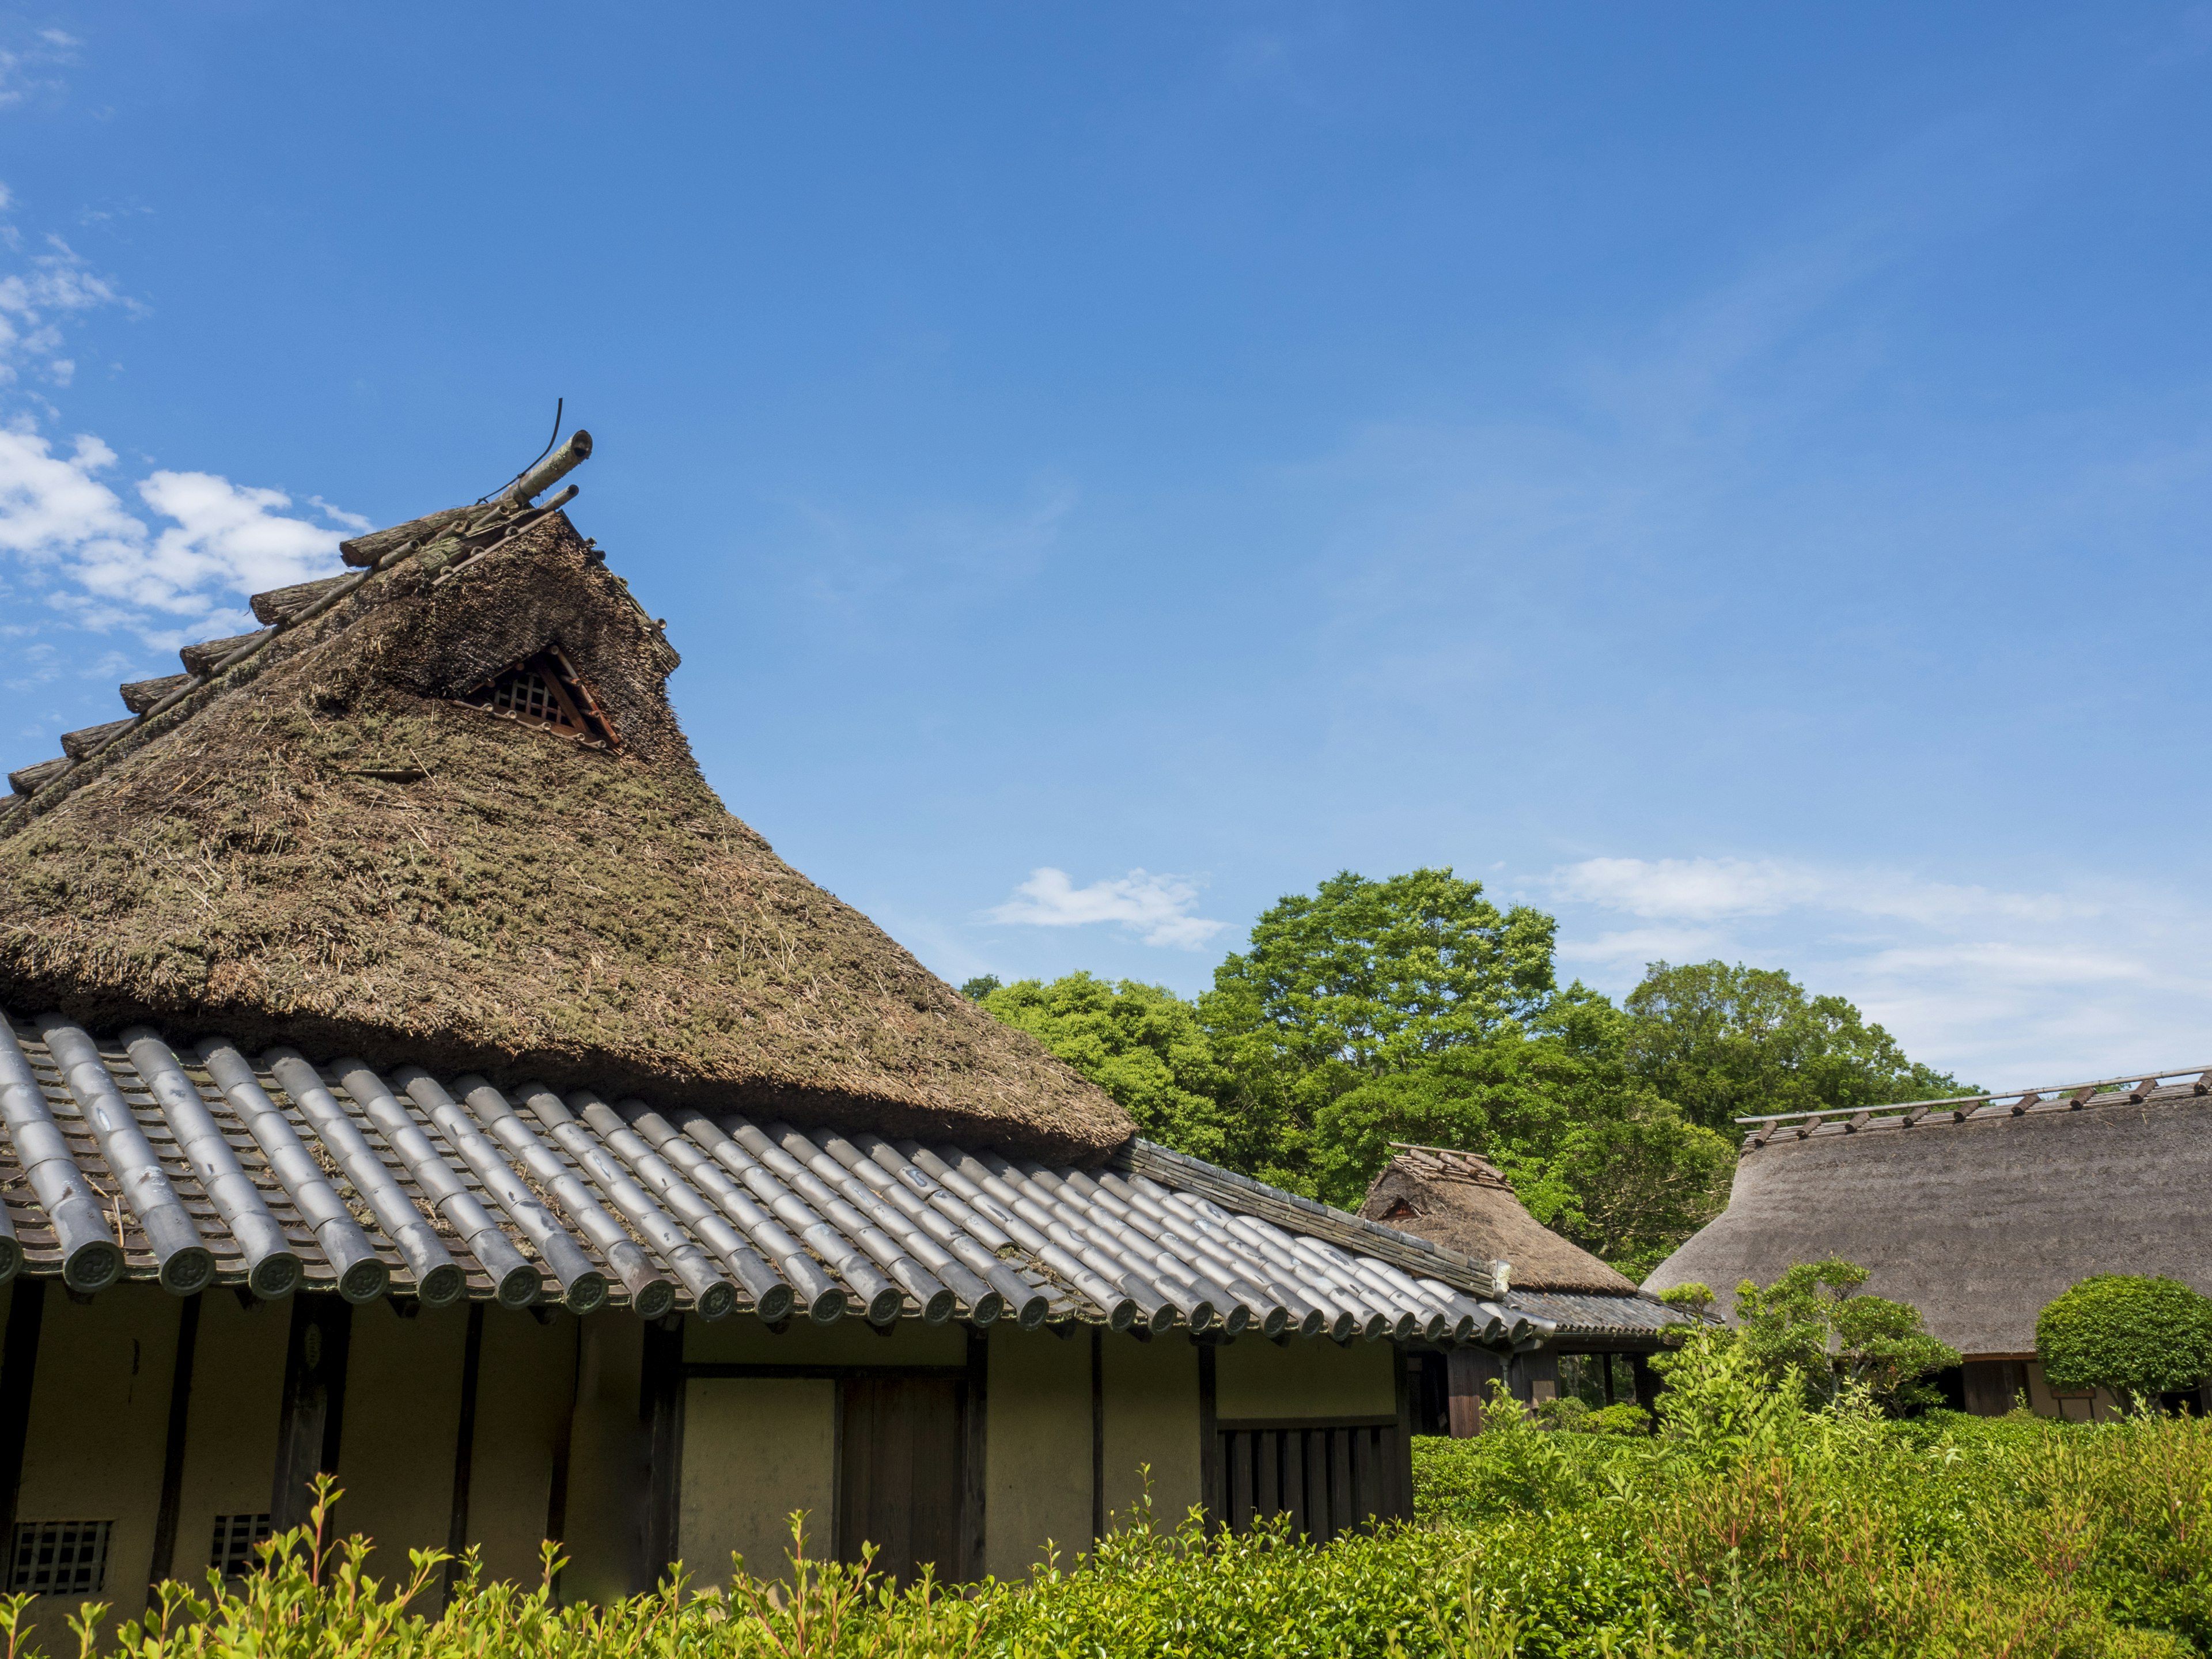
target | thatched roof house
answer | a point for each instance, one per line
(399, 1037)
(357, 838)
(1462, 1202)
(1976, 1211)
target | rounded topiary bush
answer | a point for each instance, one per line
(2138, 1337)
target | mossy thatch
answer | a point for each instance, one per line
(1460, 1201)
(337, 854)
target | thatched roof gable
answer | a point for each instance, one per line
(323, 844)
(1977, 1222)
(1463, 1203)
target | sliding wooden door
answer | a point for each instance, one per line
(900, 1472)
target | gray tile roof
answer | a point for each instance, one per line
(125, 1157)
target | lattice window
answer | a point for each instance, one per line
(60, 1557)
(545, 690)
(232, 1553)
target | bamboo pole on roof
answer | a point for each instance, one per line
(652, 1294)
(583, 1287)
(771, 1297)
(439, 1280)
(1098, 1275)
(346, 1245)
(516, 1282)
(1251, 1300)
(185, 1264)
(903, 1233)
(822, 1296)
(713, 1296)
(903, 1186)
(91, 1259)
(1205, 1230)
(1147, 1274)
(935, 1299)
(272, 1268)
(880, 1295)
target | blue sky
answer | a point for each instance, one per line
(1736, 476)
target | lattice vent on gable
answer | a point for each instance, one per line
(546, 689)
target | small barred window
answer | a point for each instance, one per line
(231, 1554)
(546, 689)
(60, 1557)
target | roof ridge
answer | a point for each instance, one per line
(450, 534)
(2066, 1098)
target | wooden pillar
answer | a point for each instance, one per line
(1401, 1455)
(1468, 1373)
(557, 1492)
(974, 1451)
(19, 1364)
(1098, 1432)
(173, 1449)
(1647, 1380)
(464, 1445)
(660, 1410)
(311, 1420)
(1210, 1469)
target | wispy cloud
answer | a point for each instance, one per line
(31, 62)
(1158, 910)
(1998, 985)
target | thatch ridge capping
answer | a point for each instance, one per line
(2127, 1089)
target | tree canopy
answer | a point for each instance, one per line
(1723, 1043)
(2139, 1337)
(1414, 1009)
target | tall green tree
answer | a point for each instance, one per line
(1141, 1043)
(1723, 1041)
(1372, 975)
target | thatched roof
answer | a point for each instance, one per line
(442, 811)
(1977, 1218)
(1461, 1202)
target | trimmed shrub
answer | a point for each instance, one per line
(2136, 1336)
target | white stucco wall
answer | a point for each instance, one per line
(756, 1450)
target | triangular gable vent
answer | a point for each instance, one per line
(546, 689)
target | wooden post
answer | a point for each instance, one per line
(557, 1492)
(173, 1449)
(465, 1443)
(1098, 1432)
(1210, 1471)
(19, 1364)
(1401, 1461)
(311, 1420)
(975, 1448)
(1647, 1381)
(660, 1409)
(1468, 1375)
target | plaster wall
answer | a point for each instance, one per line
(230, 1431)
(755, 1449)
(744, 1340)
(403, 1412)
(526, 1377)
(99, 1422)
(1254, 1378)
(610, 1460)
(1037, 1461)
(1151, 1420)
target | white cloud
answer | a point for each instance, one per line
(225, 540)
(1709, 889)
(2003, 988)
(1157, 909)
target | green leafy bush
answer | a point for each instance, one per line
(1623, 1417)
(2139, 1337)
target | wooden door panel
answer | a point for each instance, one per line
(899, 1474)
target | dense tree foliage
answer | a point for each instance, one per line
(2139, 1337)
(1413, 1009)
(1813, 1321)
(1723, 1043)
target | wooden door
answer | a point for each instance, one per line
(899, 1469)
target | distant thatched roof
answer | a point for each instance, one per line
(1977, 1222)
(1461, 1202)
(451, 819)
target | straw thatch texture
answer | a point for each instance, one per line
(1462, 1203)
(336, 855)
(1980, 1224)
